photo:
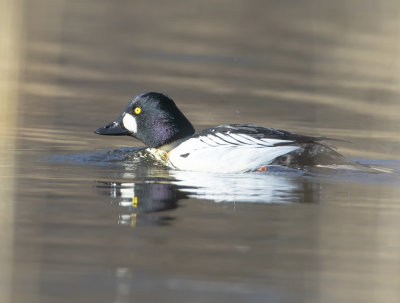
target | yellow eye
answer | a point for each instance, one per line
(137, 110)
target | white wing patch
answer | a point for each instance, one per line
(208, 141)
(225, 139)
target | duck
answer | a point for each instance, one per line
(154, 119)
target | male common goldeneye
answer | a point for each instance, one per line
(154, 119)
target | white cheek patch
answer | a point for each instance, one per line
(130, 123)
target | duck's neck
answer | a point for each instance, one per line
(170, 146)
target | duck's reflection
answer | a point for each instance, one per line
(142, 202)
(250, 187)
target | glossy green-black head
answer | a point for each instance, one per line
(153, 118)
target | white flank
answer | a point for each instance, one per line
(130, 123)
(205, 154)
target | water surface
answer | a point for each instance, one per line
(80, 223)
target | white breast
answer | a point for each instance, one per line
(227, 153)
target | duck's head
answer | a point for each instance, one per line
(153, 118)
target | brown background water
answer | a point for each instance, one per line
(315, 67)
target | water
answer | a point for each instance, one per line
(81, 220)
